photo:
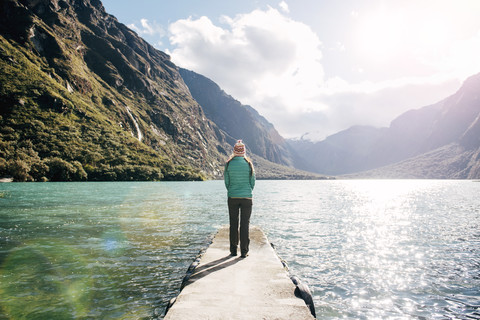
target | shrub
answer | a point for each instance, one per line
(79, 173)
(19, 170)
(3, 167)
(39, 171)
(61, 170)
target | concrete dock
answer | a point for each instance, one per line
(226, 287)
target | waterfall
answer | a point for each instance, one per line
(137, 127)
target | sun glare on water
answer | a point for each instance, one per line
(377, 227)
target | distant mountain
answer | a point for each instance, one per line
(451, 161)
(340, 153)
(237, 120)
(437, 141)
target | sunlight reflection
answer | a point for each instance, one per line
(379, 250)
(150, 217)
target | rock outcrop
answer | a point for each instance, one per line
(69, 63)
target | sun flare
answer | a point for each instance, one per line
(385, 34)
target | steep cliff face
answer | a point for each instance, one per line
(237, 120)
(437, 141)
(78, 86)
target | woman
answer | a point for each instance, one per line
(239, 177)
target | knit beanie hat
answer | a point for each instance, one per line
(239, 149)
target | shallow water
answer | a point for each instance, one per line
(372, 249)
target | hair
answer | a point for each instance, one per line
(247, 159)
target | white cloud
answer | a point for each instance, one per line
(274, 63)
(284, 6)
(255, 57)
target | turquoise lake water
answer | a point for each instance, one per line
(368, 249)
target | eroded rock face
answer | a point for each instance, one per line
(95, 68)
(237, 120)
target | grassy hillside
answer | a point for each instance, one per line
(49, 133)
(82, 97)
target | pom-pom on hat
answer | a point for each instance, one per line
(239, 149)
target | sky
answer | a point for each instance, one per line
(316, 67)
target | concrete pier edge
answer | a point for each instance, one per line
(301, 290)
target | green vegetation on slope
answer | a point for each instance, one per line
(48, 132)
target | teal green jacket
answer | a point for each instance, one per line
(239, 181)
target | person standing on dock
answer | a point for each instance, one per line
(239, 177)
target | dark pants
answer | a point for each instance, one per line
(242, 207)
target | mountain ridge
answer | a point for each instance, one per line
(238, 120)
(270, 153)
(69, 64)
(83, 97)
(453, 123)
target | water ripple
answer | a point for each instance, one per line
(388, 249)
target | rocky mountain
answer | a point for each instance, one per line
(437, 141)
(268, 149)
(237, 120)
(83, 97)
